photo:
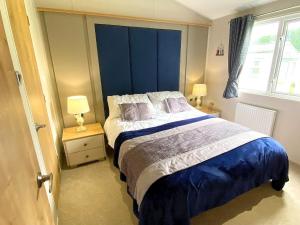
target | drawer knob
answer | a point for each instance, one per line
(86, 156)
(85, 144)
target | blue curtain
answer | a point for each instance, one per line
(240, 33)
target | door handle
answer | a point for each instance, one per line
(43, 178)
(39, 126)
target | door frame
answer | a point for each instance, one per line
(26, 106)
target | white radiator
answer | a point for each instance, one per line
(257, 118)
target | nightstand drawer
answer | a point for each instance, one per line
(84, 144)
(84, 156)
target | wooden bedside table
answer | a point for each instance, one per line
(212, 112)
(86, 146)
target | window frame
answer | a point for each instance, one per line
(277, 57)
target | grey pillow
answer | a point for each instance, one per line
(175, 105)
(135, 111)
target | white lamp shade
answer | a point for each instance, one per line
(199, 90)
(78, 104)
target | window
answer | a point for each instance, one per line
(272, 64)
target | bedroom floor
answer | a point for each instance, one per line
(93, 195)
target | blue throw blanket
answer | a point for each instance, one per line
(174, 199)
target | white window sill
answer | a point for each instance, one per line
(271, 95)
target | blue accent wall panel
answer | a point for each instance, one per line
(143, 59)
(137, 60)
(169, 44)
(113, 53)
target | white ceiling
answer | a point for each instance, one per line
(160, 9)
(172, 9)
(214, 9)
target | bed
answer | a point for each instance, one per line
(178, 165)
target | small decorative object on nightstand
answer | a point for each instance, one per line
(84, 146)
(211, 111)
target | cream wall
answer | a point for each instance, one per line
(287, 123)
(196, 57)
(75, 61)
(68, 48)
(47, 78)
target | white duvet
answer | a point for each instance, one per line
(114, 126)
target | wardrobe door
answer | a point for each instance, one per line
(114, 61)
(169, 43)
(143, 59)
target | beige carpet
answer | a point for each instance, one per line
(93, 195)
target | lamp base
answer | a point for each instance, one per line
(81, 128)
(80, 121)
(198, 106)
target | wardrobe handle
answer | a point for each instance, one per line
(39, 126)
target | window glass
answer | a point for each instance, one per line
(288, 81)
(257, 68)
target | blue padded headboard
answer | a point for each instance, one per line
(136, 60)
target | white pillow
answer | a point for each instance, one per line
(157, 99)
(115, 100)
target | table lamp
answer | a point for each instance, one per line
(199, 90)
(78, 105)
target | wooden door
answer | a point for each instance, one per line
(21, 202)
(22, 38)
